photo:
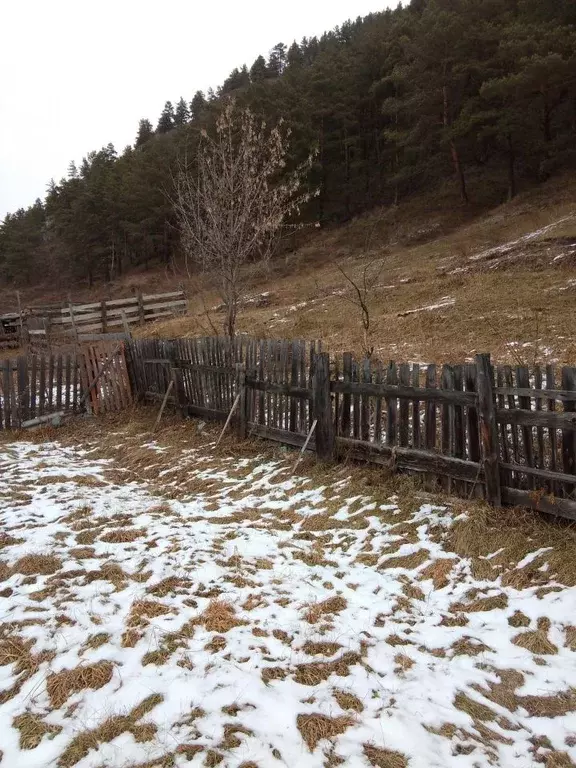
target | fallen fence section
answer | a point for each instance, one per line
(505, 434)
(38, 389)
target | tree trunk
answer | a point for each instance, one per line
(511, 169)
(454, 149)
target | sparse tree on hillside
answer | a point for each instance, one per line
(145, 132)
(233, 198)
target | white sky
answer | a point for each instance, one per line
(77, 74)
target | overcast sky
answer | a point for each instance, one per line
(77, 74)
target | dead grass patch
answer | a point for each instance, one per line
(176, 585)
(43, 565)
(123, 535)
(438, 571)
(468, 646)
(220, 616)
(82, 553)
(218, 643)
(536, 642)
(491, 603)
(17, 651)
(518, 619)
(96, 641)
(321, 649)
(33, 729)
(109, 730)
(317, 671)
(274, 673)
(475, 709)
(231, 731)
(316, 727)
(404, 663)
(143, 610)
(61, 685)
(8, 541)
(347, 700)
(409, 562)
(570, 633)
(384, 758)
(331, 605)
(284, 637)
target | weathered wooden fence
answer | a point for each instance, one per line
(473, 429)
(35, 388)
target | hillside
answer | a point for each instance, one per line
(452, 284)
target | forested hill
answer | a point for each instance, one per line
(478, 94)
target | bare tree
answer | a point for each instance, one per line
(232, 199)
(361, 294)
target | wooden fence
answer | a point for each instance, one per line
(473, 429)
(35, 389)
(100, 317)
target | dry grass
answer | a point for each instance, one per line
(347, 700)
(438, 571)
(123, 535)
(109, 730)
(43, 565)
(518, 619)
(315, 672)
(409, 562)
(171, 585)
(321, 649)
(315, 727)
(17, 651)
(490, 603)
(384, 758)
(331, 605)
(33, 729)
(8, 541)
(475, 709)
(220, 616)
(536, 642)
(570, 633)
(61, 685)
(143, 610)
(403, 662)
(96, 641)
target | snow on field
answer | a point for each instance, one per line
(261, 621)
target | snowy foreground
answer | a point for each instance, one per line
(262, 621)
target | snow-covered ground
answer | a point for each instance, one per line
(261, 621)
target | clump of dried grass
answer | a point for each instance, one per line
(109, 730)
(403, 662)
(570, 633)
(61, 685)
(43, 565)
(123, 535)
(331, 605)
(231, 731)
(220, 616)
(7, 541)
(347, 700)
(384, 758)
(274, 673)
(438, 571)
(144, 610)
(518, 619)
(467, 646)
(218, 643)
(410, 562)
(491, 603)
(17, 651)
(284, 637)
(316, 727)
(320, 649)
(536, 642)
(315, 672)
(33, 729)
(82, 553)
(475, 709)
(170, 585)
(96, 641)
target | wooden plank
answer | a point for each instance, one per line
(346, 399)
(552, 437)
(544, 474)
(262, 398)
(512, 406)
(488, 429)
(569, 437)
(7, 387)
(50, 383)
(356, 401)
(23, 389)
(404, 425)
(430, 415)
(392, 404)
(550, 505)
(67, 381)
(523, 381)
(59, 382)
(557, 420)
(409, 458)
(550, 392)
(323, 408)
(42, 386)
(33, 386)
(507, 477)
(365, 408)
(378, 420)
(540, 459)
(296, 440)
(157, 296)
(416, 436)
(404, 391)
(447, 420)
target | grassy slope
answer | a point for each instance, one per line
(518, 305)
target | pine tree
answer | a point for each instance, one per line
(145, 132)
(166, 120)
(182, 113)
(197, 105)
(259, 70)
(277, 60)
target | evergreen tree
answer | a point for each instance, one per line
(166, 120)
(259, 70)
(197, 105)
(277, 60)
(145, 132)
(182, 113)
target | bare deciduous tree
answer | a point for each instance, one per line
(233, 198)
(361, 294)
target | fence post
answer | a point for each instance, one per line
(241, 418)
(323, 407)
(103, 317)
(141, 315)
(488, 430)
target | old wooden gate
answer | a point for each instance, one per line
(106, 377)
